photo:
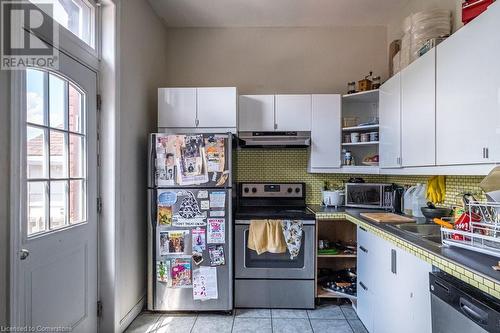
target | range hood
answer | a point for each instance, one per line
(275, 139)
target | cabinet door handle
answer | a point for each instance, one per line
(363, 286)
(275, 126)
(196, 122)
(393, 261)
(363, 249)
(485, 152)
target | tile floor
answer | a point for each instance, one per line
(325, 318)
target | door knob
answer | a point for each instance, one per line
(24, 254)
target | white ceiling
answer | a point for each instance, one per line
(276, 13)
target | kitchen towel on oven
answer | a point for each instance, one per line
(292, 230)
(266, 236)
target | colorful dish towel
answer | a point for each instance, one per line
(266, 236)
(292, 230)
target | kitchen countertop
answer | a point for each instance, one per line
(474, 261)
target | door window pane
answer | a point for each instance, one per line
(78, 16)
(36, 159)
(75, 156)
(35, 92)
(76, 201)
(75, 110)
(57, 98)
(55, 153)
(58, 204)
(37, 207)
(58, 154)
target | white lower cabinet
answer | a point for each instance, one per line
(393, 287)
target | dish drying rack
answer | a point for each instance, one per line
(483, 236)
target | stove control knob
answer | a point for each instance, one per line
(297, 190)
(254, 190)
(289, 190)
(246, 190)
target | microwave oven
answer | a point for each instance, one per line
(369, 195)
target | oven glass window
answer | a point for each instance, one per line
(363, 195)
(274, 260)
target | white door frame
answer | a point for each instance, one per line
(74, 48)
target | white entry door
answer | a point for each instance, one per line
(58, 253)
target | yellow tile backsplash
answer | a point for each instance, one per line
(283, 165)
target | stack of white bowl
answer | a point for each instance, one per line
(420, 27)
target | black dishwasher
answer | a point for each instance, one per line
(459, 307)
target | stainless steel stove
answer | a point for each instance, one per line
(273, 280)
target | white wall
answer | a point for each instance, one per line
(4, 193)
(394, 30)
(280, 60)
(142, 67)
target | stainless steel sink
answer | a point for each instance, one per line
(433, 238)
(421, 229)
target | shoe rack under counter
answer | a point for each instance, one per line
(335, 251)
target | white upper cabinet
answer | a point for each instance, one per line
(390, 123)
(197, 107)
(177, 107)
(217, 107)
(468, 93)
(256, 113)
(418, 112)
(325, 133)
(293, 112)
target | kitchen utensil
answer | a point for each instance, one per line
(364, 137)
(443, 223)
(387, 218)
(354, 137)
(431, 213)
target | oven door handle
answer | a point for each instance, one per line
(247, 222)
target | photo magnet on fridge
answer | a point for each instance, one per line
(176, 241)
(197, 258)
(164, 215)
(216, 233)
(187, 213)
(163, 243)
(202, 194)
(216, 253)
(163, 271)
(181, 272)
(198, 240)
(205, 204)
(218, 199)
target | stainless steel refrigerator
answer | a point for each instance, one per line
(190, 220)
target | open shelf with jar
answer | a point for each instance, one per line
(360, 131)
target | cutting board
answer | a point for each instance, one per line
(387, 218)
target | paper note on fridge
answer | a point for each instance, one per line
(205, 283)
(218, 199)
